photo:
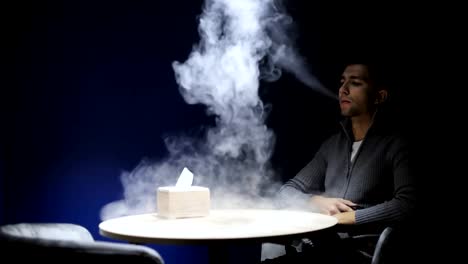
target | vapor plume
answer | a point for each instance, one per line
(241, 43)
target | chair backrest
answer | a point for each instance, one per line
(382, 251)
(396, 245)
(62, 243)
(54, 231)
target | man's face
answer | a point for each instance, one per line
(355, 91)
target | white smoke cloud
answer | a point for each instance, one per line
(242, 42)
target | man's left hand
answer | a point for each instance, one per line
(346, 218)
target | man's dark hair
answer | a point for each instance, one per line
(378, 73)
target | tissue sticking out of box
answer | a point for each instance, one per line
(185, 179)
(183, 199)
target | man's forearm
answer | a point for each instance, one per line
(394, 210)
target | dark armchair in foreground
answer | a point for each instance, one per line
(63, 243)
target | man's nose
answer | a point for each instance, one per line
(344, 89)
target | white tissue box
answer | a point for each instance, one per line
(179, 202)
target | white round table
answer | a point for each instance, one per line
(218, 228)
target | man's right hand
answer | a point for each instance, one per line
(331, 206)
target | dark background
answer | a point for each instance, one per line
(88, 90)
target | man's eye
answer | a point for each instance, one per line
(356, 83)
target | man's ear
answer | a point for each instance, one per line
(381, 97)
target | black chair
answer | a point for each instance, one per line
(65, 242)
(395, 244)
(375, 248)
(383, 248)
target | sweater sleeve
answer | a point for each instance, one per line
(297, 191)
(403, 201)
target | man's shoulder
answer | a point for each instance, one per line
(334, 136)
(335, 139)
(398, 136)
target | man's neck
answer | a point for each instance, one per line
(360, 125)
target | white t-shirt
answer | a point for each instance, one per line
(356, 145)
